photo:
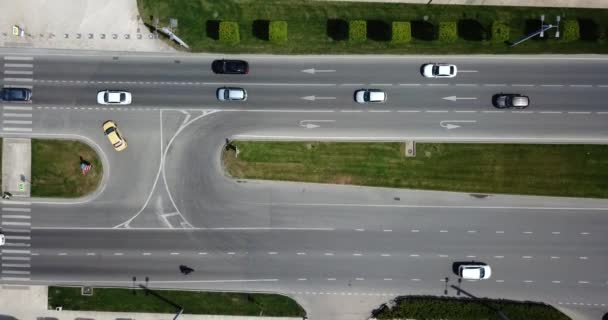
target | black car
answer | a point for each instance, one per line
(230, 66)
(16, 94)
(510, 100)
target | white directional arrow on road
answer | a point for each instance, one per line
(454, 98)
(313, 98)
(448, 124)
(313, 71)
(308, 124)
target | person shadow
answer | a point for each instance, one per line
(185, 269)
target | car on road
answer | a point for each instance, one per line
(230, 66)
(231, 94)
(114, 97)
(2, 241)
(474, 271)
(439, 70)
(16, 94)
(110, 130)
(370, 96)
(510, 100)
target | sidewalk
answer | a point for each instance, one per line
(603, 4)
(76, 24)
(30, 303)
(16, 166)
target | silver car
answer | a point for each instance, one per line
(231, 94)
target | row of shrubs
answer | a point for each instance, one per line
(401, 31)
(429, 307)
(229, 31)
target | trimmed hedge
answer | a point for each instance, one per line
(401, 32)
(500, 32)
(429, 307)
(277, 31)
(357, 30)
(229, 32)
(448, 31)
(571, 30)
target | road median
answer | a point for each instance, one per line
(171, 301)
(549, 170)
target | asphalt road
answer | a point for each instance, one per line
(307, 239)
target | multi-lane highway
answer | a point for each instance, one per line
(165, 201)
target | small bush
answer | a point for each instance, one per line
(229, 32)
(357, 30)
(448, 31)
(571, 30)
(277, 31)
(500, 32)
(402, 32)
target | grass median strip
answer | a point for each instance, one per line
(554, 170)
(193, 302)
(57, 172)
(323, 27)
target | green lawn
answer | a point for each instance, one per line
(307, 25)
(427, 307)
(193, 302)
(56, 169)
(557, 170)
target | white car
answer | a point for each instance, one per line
(107, 97)
(1, 239)
(370, 95)
(474, 272)
(231, 94)
(439, 70)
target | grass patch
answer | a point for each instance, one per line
(555, 170)
(319, 26)
(427, 307)
(193, 302)
(56, 169)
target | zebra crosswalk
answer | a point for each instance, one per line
(15, 222)
(18, 73)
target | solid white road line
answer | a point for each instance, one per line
(17, 121)
(16, 209)
(18, 72)
(20, 108)
(18, 65)
(19, 58)
(17, 115)
(18, 79)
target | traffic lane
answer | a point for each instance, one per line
(325, 95)
(124, 265)
(361, 70)
(495, 126)
(399, 244)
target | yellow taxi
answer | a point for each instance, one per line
(111, 131)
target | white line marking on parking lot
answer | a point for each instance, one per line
(550, 112)
(410, 84)
(18, 72)
(499, 257)
(551, 85)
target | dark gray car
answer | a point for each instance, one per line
(16, 94)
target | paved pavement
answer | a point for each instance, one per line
(31, 302)
(17, 166)
(523, 3)
(76, 24)
(308, 240)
